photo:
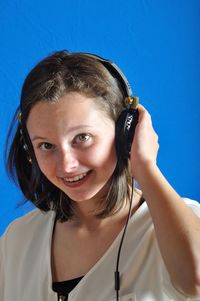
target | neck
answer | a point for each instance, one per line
(86, 216)
(86, 211)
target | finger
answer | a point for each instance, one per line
(144, 114)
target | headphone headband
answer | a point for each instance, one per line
(115, 72)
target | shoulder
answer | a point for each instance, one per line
(26, 228)
(29, 220)
(142, 219)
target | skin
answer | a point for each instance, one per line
(177, 227)
(67, 145)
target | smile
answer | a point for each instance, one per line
(76, 178)
(76, 181)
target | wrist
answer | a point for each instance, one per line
(144, 170)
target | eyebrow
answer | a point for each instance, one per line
(38, 138)
(70, 130)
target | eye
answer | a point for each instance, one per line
(81, 138)
(46, 146)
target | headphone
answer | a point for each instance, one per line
(128, 118)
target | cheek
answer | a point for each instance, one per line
(104, 153)
(46, 164)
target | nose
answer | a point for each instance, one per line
(66, 162)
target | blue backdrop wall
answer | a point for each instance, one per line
(156, 44)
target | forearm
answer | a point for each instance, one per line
(177, 229)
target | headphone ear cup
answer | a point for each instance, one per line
(124, 132)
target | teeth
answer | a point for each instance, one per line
(75, 179)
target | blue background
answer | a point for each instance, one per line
(156, 44)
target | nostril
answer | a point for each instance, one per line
(67, 163)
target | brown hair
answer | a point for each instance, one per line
(60, 73)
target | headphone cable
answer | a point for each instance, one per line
(117, 272)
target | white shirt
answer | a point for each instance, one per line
(25, 263)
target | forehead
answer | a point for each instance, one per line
(72, 108)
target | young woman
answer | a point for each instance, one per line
(64, 158)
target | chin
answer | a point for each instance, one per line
(87, 196)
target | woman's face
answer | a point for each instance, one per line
(73, 141)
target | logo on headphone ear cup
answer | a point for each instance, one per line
(124, 132)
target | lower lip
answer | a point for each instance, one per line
(79, 183)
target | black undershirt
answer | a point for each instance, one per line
(63, 288)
